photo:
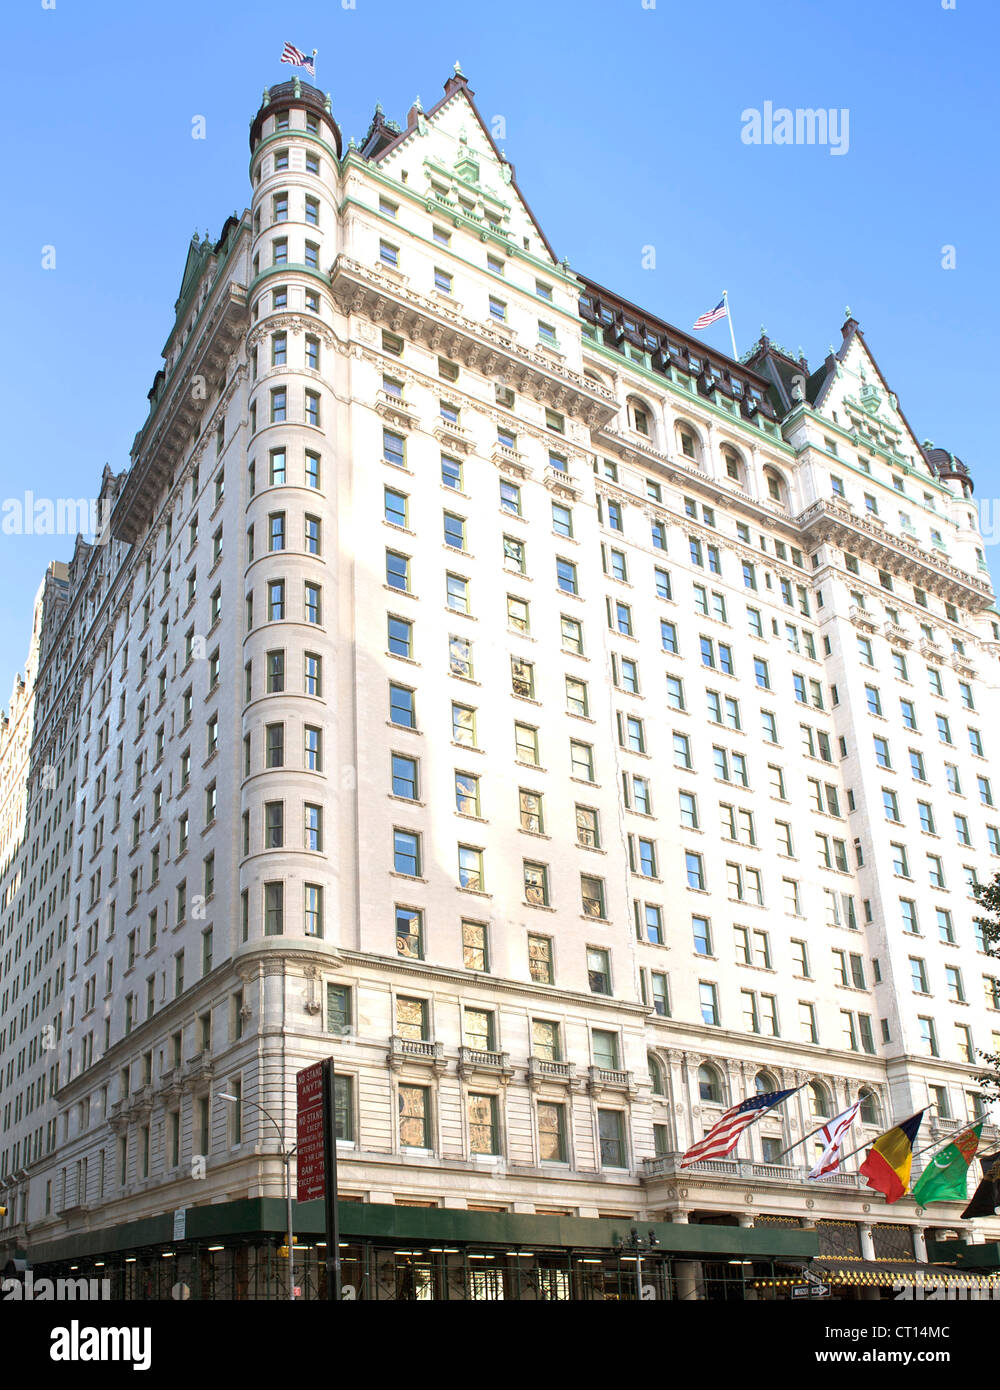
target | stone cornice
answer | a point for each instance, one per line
(465, 978)
(826, 520)
(160, 443)
(367, 290)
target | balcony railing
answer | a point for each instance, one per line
(540, 1069)
(860, 617)
(472, 1059)
(669, 1165)
(453, 436)
(415, 1050)
(609, 1079)
(509, 459)
(394, 408)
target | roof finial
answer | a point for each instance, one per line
(416, 104)
(378, 108)
(458, 70)
(847, 312)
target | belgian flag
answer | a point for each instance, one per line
(887, 1166)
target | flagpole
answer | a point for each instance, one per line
(314, 77)
(943, 1144)
(801, 1141)
(759, 1116)
(729, 316)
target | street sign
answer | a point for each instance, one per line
(309, 1133)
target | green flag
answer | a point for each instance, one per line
(944, 1178)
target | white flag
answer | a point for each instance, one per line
(832, 1135)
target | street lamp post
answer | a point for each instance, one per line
(634, 1247)
(286, 1158)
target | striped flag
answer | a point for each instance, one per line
(887, 1166)
(298, 59)
(723, 1137)
(719, 312)
(832, 1135)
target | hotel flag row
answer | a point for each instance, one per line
(888, 1163)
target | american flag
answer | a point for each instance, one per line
(832, 1135)
(719, 312)
(723, 1137)
(295, 56)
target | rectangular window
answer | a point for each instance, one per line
(406, 852)
(475, 955)
(484, 1135)
(540, 960)
(414, 1116)
(536, 884)
(470, 868)
(409, 933)
(599, 970)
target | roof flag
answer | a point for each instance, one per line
(298, 59)
(719, 312)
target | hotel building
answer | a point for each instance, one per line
(568, 728)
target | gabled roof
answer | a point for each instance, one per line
(787, 375)
(456, 88)
(850, 331)
(198, 251)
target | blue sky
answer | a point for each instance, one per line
(624, 125)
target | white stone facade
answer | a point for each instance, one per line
(462, 498)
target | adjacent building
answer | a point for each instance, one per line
(568, 728)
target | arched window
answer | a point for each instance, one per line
(688, 441)
(776, 489)
(764, 1083)
(709, 1085)
(656, 1075)
(733, 464)
(869, 1107)
(640, 417)
(819, 1099)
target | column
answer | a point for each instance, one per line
(677, 1093)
